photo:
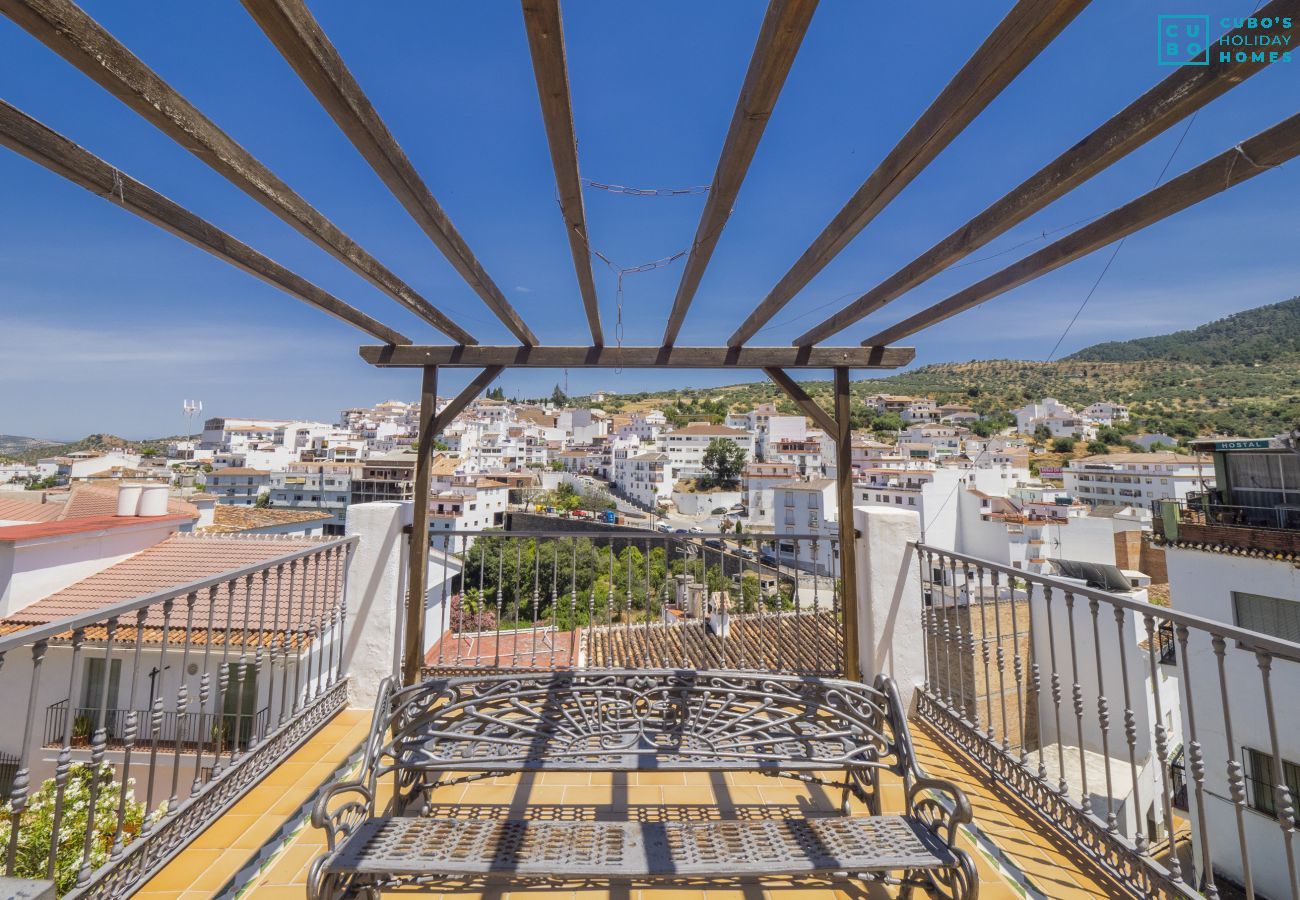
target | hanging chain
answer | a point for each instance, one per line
(646, 192)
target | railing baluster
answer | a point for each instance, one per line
(99, 742)
(18, 790)
(1036, 681)
(1001, 657)
(984, 649)
(537, 578)
(346, 550)
(182, 704)
(301, 630)
(1285, 803)
(156, 709)
(517, 578)
(923, 568)
(574, 649)
(944, 641)
(965, 641)
(1062, 786)
(277, 655)
(1103, 714)
(1236, 779)
(332, 604)
(205, 683)
(1076, 693)
(314, 644)
(219, 722)
(1130, 731)
(1162, 746)
(242, 675)
(258, 658)
(1018, 671)
(1196, 761)
(64, 764)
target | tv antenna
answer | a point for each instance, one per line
(191, 408)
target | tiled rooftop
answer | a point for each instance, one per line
(178, 560)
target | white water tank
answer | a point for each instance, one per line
(128, 499)
(153, 500)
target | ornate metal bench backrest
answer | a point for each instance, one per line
(635, 720)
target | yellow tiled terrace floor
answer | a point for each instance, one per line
(1015, 859)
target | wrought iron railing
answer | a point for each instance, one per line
(1205, 509)
(178, 729)
(222, 678)
(614, 598)
(1101, 709)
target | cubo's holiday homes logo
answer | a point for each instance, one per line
(1186, 40)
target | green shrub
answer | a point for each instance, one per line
(36, 826)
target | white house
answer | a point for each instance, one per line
(806, 508)
(685, 446)
(237, 485)
(1105, 412)
(768, 427)
(758, 482)
(1135, 479)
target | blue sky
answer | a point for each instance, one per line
(107, 323)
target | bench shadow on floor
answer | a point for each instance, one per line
(634, 796)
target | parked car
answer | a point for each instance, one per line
(746, 553)
(664, 527)
(695, 529)
(679, 531)
(714, 542)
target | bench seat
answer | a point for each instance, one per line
(404, 847)
(839, 734)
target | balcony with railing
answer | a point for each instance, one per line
(1202, 519)
(1061, 709)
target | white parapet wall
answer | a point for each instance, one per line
(890, 635)
(376, 587)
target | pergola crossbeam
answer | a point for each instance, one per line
(801, 399)
(545, 29)
(1021, 35)
(41, 144)
(639, 357)
(1246, 160)
(1184, 92)
(67, 30)
(305, 46)
(783, 29)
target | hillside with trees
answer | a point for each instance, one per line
(1236, 376)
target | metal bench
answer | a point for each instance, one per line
(826, 731)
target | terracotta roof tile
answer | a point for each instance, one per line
(85, 524)
(182, 559)
(28, 511)
(228, 519)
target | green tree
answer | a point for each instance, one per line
(558, 397)
(263, 501)
(723, 460)
(1063, 445)
(1042, 434)
(1098, 447)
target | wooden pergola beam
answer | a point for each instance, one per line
(848, 532)
(304, 45)
(783, 29)
(466, 397)
(545, 29)
(1246, 160)
(639, 357)
(1025, 31)
(41, 144)
(66, 29)
(417, 578)
(801, 399)
(1188, 89)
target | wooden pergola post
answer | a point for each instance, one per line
(848, 534)
(413, 640)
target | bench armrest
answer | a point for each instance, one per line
(944, 814)
(341, 808)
